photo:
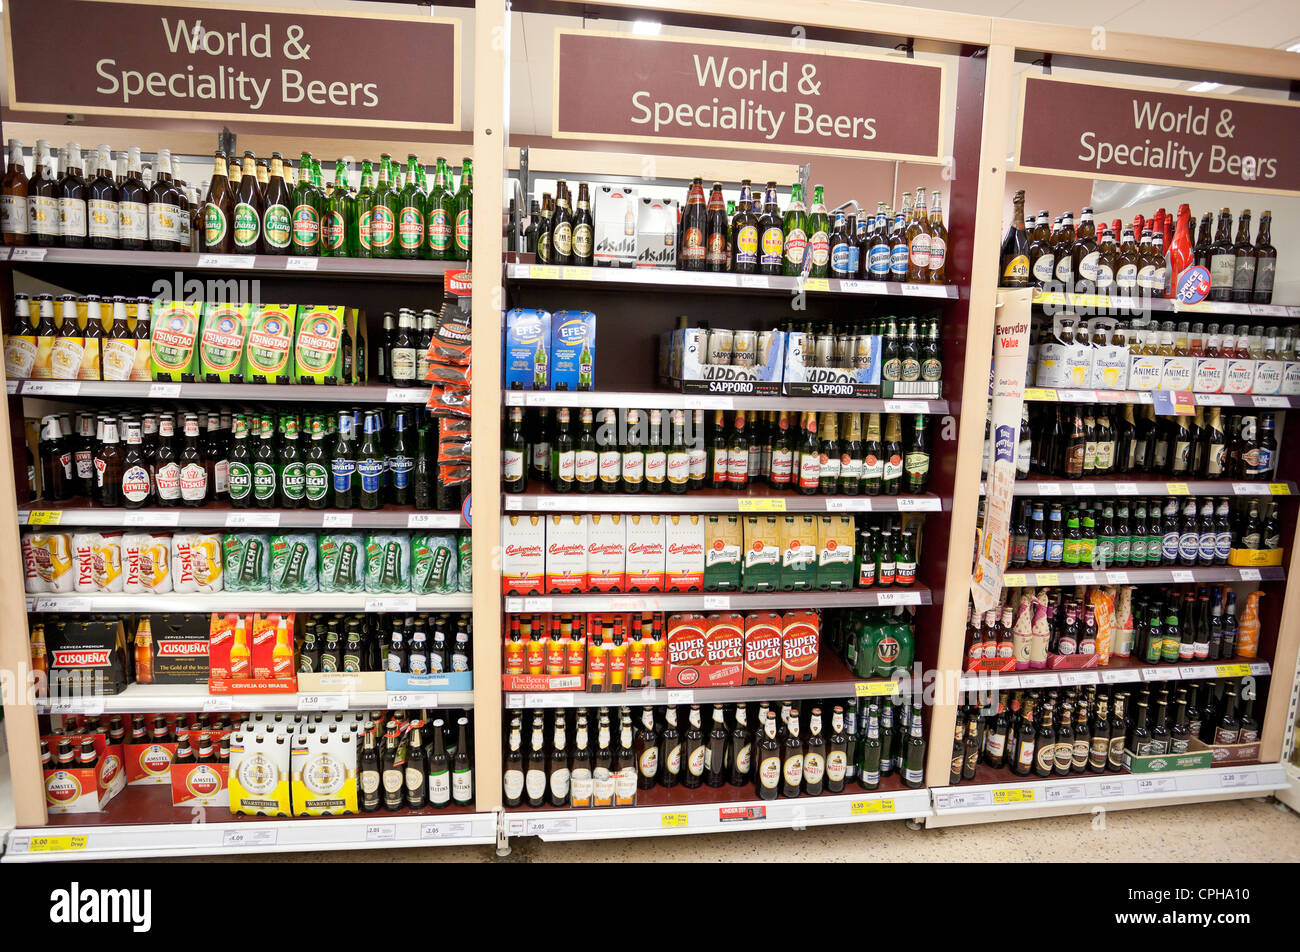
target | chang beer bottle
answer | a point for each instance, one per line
(336, 222)
(464, 212)
(306, 213)
(410, 215)
(277, 219)
(795, 227)
(437, 222)
(382, 222)
(819, 235)
(359, 225)
(240, 466)
(247, 217)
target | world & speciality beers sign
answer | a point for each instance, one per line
(1140, 134)
(664, 89)
(233, 62)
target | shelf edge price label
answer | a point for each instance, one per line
(674, 820)
(1049, 489)
(227, 261)
(336, 520)
(1250, 575)
(576, 274)
(875, 688)
(1014, 795)
(322, 702)
(1046, 578)
(1176, 489)
(816, 284)
(1126, 489)
(1085, 578)
(240, 838)
(1154, 674)
(1249, 489)
(760, 505)
(681, 697)
(1112, 788)
(52, 388)
(56, 844)
(217, 704)
(261, 520)
(1072, 791)
(869, 807)
(300, 264)
(164, 391)
(405, 395)
(391, 603)
(1156, 785)
(1116, 578)
(445, 830)
(44, 517)
(715, 603)
(543, 271)
(1279, 489)
(1182, 575)
(1238, 779)
(535, 605)
(1232, 670)
(28, 254)
(381, 832)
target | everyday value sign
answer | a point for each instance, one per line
(233, 62)
(1131, 133)
(635, 88)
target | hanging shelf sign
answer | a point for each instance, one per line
(1141, 134)
(232, 62)
(614, 86)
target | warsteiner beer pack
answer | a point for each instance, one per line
(260, 773)
(324, 770)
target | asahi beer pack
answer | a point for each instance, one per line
(614, 214)
(260, 775)
(523, 554)
(566, 554)
(645, 552)
(527, 349)
(268, 356)
(656, 233)
(717, 360)
(222, 338)
(573, 350)
(808, 371)
(174, 338)
(683, 552)
(607, 552)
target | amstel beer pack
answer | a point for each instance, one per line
(70, 788)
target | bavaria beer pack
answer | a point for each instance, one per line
(222, 337)
(268, 356)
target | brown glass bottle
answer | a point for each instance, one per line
(918, 241)
(108, 468)
(13, 192)
(938, 268)
(1014, 258)
(246, 219)
(1084, 256)
(1244, 262)
(1223, 261)
(217, 210)
(101, 203)
(1041, 262)
(1265, 261)
(72, 200)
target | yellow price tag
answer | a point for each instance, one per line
(760, 505)
(1038, 393)
(1279, 489)
(1046, 297)
(875, 688)
(1176, 489)
(577, 274)
(45, 517)
(1232, 670)
(1013, 580)
(1019, 795)
(543, 271)
(57, 844)
(674, 819)
(867, 807)
(816, 284)
(1047, 578)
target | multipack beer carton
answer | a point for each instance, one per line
(573, 350)
(763, 648)
(85, 658)
(201, 785)
(566, 554)
(798, 553)
(323, 768)
(173, 340)
(359, 340)
(523, 554)
(83, 789)
(268, 356)
(723, 545)
(252, 653)
(645, 552)
(260, 773)
(318, 345)
(800, 645)
(685, 636)
(545, 652)
(222, 338)
(834, 552)
(180, 647)
(613, 212)
(606, 552)
(656, 233)
(527, 349)
(683, 552)
(762, 568)
(724, 650)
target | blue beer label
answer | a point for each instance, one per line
(840, 258)
(401, 470)
(1205, 547)
(343, 468)
(372, 474)
(1169, 547)
(1189, 545)
(878, 260)
(1223, 546)
(898, 260)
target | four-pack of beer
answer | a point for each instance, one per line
(728, 649)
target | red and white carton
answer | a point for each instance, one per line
(200, 785)
(1209, 374)
(566, 554)
(724, 650)
(685, 641)
(606, 552)
(800, 645)
(1239, 376)
(645, 552)
(764, 650)
(684, 553)
(523, 554)
(84, 789)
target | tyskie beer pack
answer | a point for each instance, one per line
(523, 554)
(74, 789)
(606, 552)
(645, 552)
(268, 356)
(222, 338)
(800, 645)
(566, 554)
(174, 340)
(764, 634)
(683, 552)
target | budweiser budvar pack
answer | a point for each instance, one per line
(523, 555)
(566, 554)
(645, 552)
(607, 553)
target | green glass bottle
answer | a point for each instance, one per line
(819, 235)
(239, 469)
(437, 225)
(795, 226)
(290, 466)
(306, 212)
(383, 239)
(316, 468)
(264, 468)
(410, 215)
(336, 221)
(359, 235)
(464, 231)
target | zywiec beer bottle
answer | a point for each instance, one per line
(716, 253)
(246, 217)
(583, 229)
(464, 219)
(771, 232)
(400, 461)
(109, 462)
(370, 464)
(744, 233)
(795, 227)
(72, 200)
(819, 246)
(164, 207)
(13, 197)
(368, 773)
(1014, 264)
(218, 209)
(101, 202)
(136, 484)
(133, 206)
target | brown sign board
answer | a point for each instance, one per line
(614, 86)
(1142, 134)
(233, 62)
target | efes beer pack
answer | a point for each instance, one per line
(222, 338)
(527, 349)
(268, 356)
(321, 345)
(174, 339)
(260, 778)
(573, 350)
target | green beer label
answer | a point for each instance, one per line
(317, 481)
(270, 341)
(410, 228)
(293, 480)
(221, 343)
(381, 226)
(275, 224)
(439, 233)
(363, 229)
(462, 230)
(263, 480)
(173, 329)
(320, 336)
(247, 226)
(241, 480)
(306, 226)
(214, 224)
(332, 231)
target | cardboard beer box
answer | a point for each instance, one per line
(683, 553)
(83, 789)
(259, 774)
(260, 647)
(800, 645)
(523, 554)
(1178, 373)
(200, 785)
(606, 552)
(180, 647)
(573, 350)
(1291, 378)
(613, 212)
(835, 563)
(690, 369)
(1208, 377)
(685, 637)
(318, 345)
(656, 233)
(724, 650)
(645, 552)
(173, 340)
(1268, 377)
(323, 768)
(1145, 372)
(222, 338)
(799, 553)
(805, 374)
(537, 661)
(566, 554)
(527, 349)
(85, 658)
(268, 355)
(151, 762)
(1110, 360)
(1064, 365)
(763, 648)
(763, 548)
(1239, 375)
(360, 341)
(723, 545)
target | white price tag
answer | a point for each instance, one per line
(322, 702)
(227, 261)
(445, 830)
(549, 699)
(1250, 489)
(514, 504)
(1147, 785)
(11, 387)
(918, 504)
(753, 281)
(1077, 396)
(406, 395)
(1038, 680)
(336, 520)
(1116, 578)
(77, 705)
(216, 704)
(52, 388)
(391, 603)
(1249, 575)
(853, 287)
(250, 520)
(540, 826)
(1078, 677)
(851, 504)
(898, 598)
(1126, 489)
(1259, 667)
(1214, 399)
(1112, 788)
(905, 406)
(1085, 489)
(380, 831)
(549, 503)
(1272, 402)
(537, 604)
(514, 398)
(1182, 575)
(1071, 791)
(421, 520)
(399, 702)
(153, 518)
(1155, 674)
(964, 801)
(1121, 676)
(239, 838)
(1049, 489)
(712, 403)
(28, 254)
(1085, 578)
(1190, 672)
(919, 289)
(681, 697)
(62, 603)
(164, 391)
(300, 264)
(1238, 779)
(717, 602)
